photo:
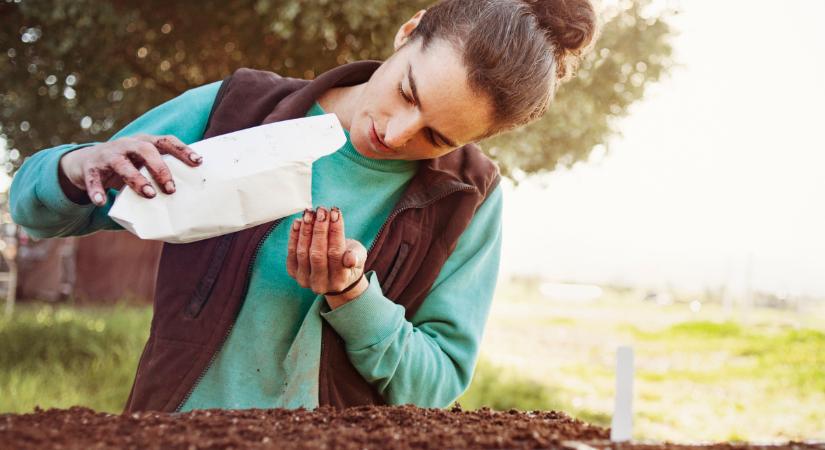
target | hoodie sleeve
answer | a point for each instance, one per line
(39, 205)
(430, 360)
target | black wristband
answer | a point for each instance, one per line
(348, 288)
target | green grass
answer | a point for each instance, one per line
(700, 329)
(502, 389)
(793, 358)
(498, 388)
(62, 356)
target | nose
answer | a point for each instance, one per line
(402, 127)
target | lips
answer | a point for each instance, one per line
(377, 144)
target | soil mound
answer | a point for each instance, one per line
(367, 427)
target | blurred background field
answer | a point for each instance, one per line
(704, 372)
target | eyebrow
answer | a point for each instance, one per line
(411, 79)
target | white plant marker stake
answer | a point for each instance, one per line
(621, 429)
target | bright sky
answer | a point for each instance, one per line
(719, 176)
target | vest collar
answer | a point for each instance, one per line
(302, 99)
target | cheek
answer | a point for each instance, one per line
(385, 100)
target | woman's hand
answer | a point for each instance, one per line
(88, 172)
(320, 257)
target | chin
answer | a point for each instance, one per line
(360, 138)
(357, 138)
(362, 144)
(359, 144)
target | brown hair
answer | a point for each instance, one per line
(515, 51)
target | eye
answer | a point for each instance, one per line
(431, 137)
(401, 91)
(430, 134)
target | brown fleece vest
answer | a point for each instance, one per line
(201, 286)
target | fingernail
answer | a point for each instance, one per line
(307, 215)
(169, 186)
(148, 190)
(321, 215)
(333, 215)
(98, 198)
(195, 157)
(296, 225)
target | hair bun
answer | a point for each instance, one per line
(569, 24)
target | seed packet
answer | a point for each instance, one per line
(247, 178)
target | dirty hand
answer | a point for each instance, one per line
(320, 257)
(89, 171)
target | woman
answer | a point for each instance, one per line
(292, 313)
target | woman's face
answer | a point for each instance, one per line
(418, 105)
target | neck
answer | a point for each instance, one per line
(342, 101)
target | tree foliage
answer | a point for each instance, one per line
(78, 70)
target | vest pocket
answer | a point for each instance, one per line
(204, 288)
(395, 267)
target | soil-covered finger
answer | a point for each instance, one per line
(149, 155)
(336, 239)
(354, 259)
(304, 242)
(337, 245)
(356, 254)
(173, 146)
(318, 251)
(94, 186)
(133, 178)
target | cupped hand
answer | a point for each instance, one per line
(321, 258)
(89, 171)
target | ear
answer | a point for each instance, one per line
(408, 27)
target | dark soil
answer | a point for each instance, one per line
(324, 428)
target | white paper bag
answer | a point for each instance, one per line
(247, 178)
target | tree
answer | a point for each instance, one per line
(78, 70)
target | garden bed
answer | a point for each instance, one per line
(324, 428)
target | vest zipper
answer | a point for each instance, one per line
(463, 187)
(232, 325)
